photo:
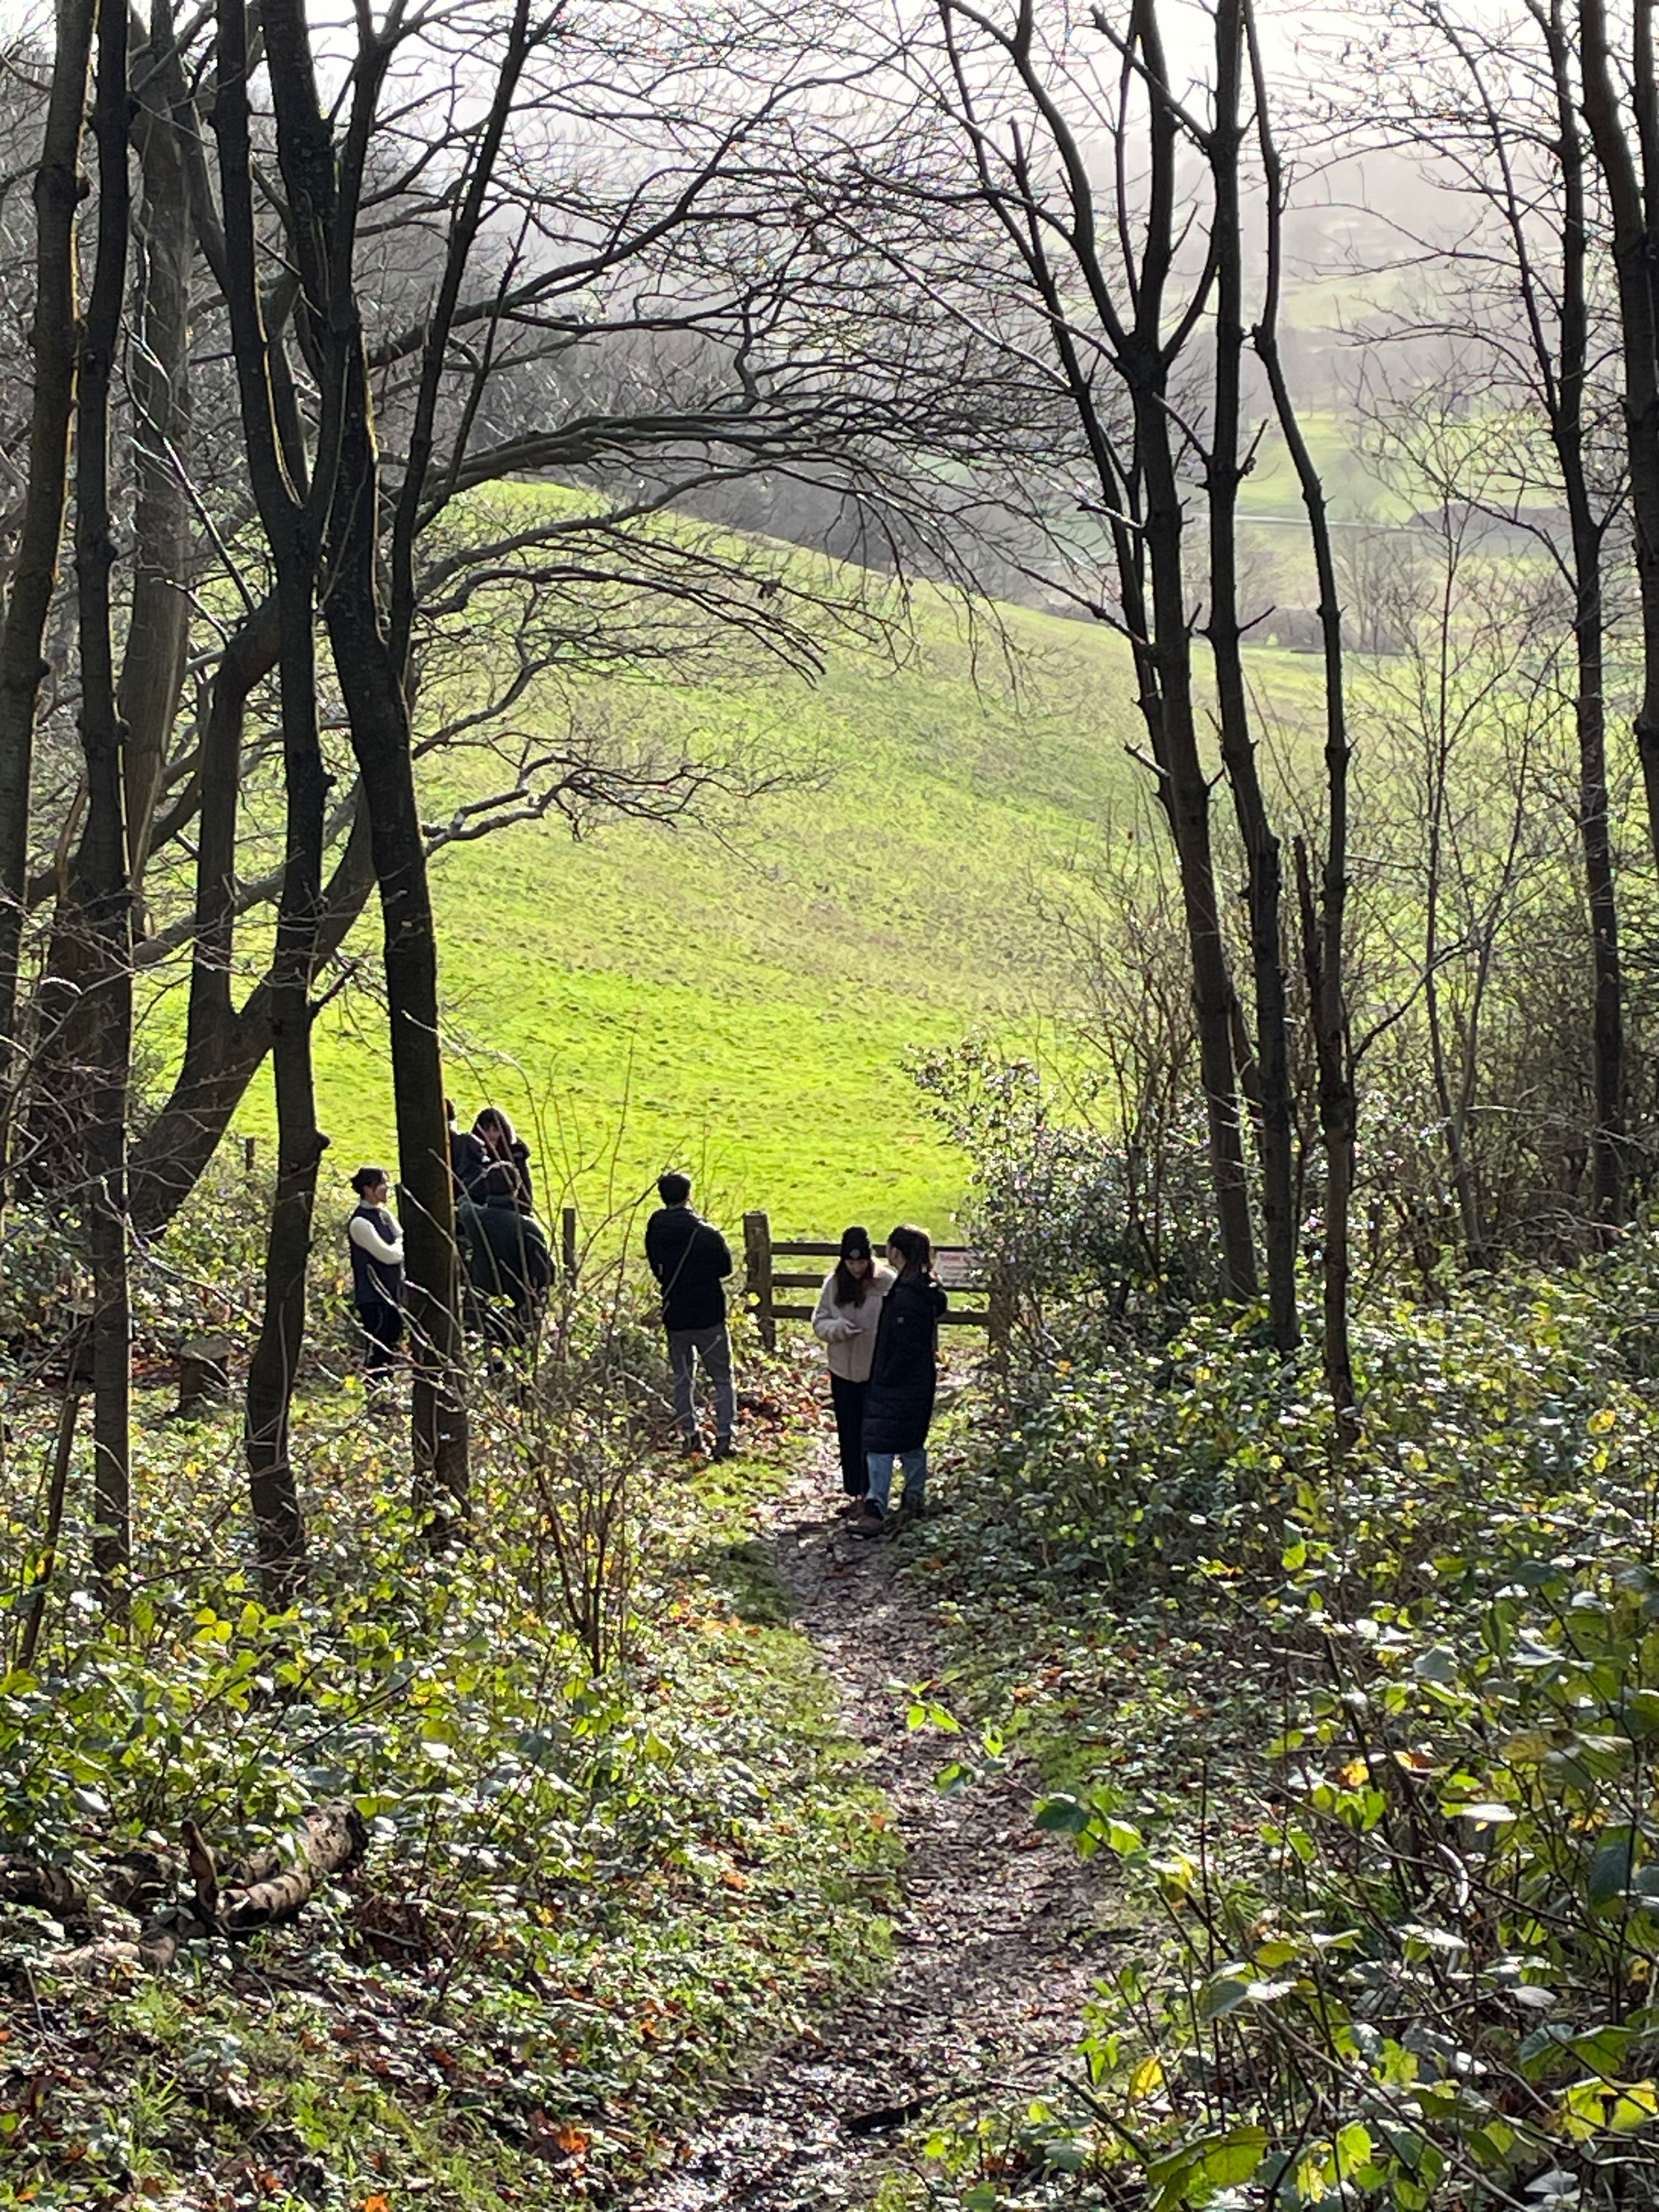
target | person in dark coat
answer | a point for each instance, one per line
(377, 1272)
(689, 1260)
(504, 1175)
(505, 1246)
(898, 1406)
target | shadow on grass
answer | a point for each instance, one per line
(744, 1574)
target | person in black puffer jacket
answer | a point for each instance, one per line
(903, 1377)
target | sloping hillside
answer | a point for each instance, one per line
(739, 998)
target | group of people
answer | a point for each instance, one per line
(503, 1246)
(880, 1326)
(878, 1321)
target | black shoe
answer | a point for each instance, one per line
(725, 1449)
(693, 1448)
(872, 1519)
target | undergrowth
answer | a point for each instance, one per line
(584, 1894)
(1368, 1736)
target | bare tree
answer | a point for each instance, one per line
(58, 187)
(1493, 111)
(107, 873)
(1099, 293)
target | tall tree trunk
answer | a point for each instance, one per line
(1589, 631)
(291, 533)
(105, 860)
(381, 739)
(1324, 949)
(1264, 872)
(1608, 1018)
(1186, 804)
(58, 189)
(153, 663)
(324, 201)
(273, 1490)
(1633, 256)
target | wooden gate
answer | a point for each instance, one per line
(958, 1267)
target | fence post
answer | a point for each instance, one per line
(568, 1243)
(250, 1153)
(757, 1274)
(999, 1315)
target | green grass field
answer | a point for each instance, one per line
(741, 999)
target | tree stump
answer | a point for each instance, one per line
(204, 1376)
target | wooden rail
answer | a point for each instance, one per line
(958, 1267)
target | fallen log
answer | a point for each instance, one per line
(264, 1890)
(47, 1888)
(275, 1886)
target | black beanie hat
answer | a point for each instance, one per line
(855, 1244)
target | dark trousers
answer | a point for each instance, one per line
(713, 1347)
(847, 1399)
(383, 1324)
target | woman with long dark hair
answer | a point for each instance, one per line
(502, 1177)
(377, 1272)
(506, 1247)
(849, 1311)
(898, 1404)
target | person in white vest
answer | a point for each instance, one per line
(377, 1272)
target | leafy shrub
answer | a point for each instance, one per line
(1102, 1239)
(1372, 1731)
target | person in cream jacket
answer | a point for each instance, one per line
(848, 1308)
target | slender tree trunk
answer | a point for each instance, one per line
(1187, 803)
(292, 536)
(1588, 630)
(1608, 1020)
(251, 653)
(152, 664)
(1324, 930)
(58, 188)
(322, 200)
(1633, 257)
(274, 1493)
(106, 864)
(381, 739)
(1264, 870)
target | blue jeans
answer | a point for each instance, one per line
(880, 1465)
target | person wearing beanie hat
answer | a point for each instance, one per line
(848, 1308)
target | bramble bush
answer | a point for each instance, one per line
(1371, 1735)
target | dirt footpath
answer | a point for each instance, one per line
(1000, 1935)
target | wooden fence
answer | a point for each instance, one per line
(961, 1270)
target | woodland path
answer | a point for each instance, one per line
(1000, 1932)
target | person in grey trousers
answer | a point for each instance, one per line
(691, 1261)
